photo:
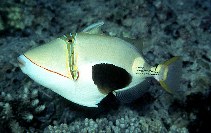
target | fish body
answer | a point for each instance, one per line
(85, 67)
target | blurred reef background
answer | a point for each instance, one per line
(171, 27)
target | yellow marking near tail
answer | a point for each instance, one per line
(165, 86)
(165, 66)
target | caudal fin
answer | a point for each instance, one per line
(170, 74)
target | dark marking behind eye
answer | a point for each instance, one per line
(109, 77)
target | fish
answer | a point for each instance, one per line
(85, 67)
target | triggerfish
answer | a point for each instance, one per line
(85, 67)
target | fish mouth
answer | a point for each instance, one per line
(21, 62)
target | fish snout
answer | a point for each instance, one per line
(21, 62)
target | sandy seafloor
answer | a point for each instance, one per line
(171, 28)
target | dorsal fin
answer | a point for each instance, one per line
(94, 28)
(137, 43)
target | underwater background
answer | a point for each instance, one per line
(172, 28)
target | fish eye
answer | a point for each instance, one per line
(70, 40)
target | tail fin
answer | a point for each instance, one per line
(170, 73)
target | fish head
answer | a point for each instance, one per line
(56, 57)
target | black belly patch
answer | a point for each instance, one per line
(109, 77)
